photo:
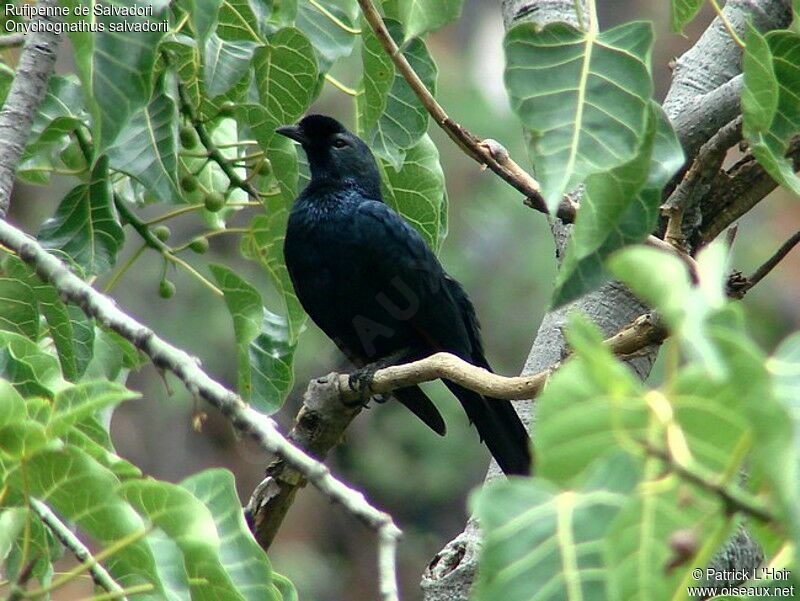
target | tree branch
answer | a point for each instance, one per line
(35, 65)
(486, 152)
(248, 421)
(99, 574)
(13, 40)
(770, 264)
(736, 191)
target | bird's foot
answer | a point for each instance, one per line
(360, 382)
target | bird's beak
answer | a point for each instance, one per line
(293, 132)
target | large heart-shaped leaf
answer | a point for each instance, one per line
(405, 120)
(85, 226)
(619, 207)
(543, 543)
(584, 98)
(147, 147)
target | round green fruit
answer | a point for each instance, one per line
(166, 289)
(188, 136)
(214, 201)
(162, 232)
(189, 183)
(199, 245)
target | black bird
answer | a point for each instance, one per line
(370, 282)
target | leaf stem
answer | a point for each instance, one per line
(333, 18)
(127, 592)
(128, 264)
(212, 234)
(340, 86)
(727, 24)
(594, 25)
(579, 14)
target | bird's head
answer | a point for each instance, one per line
(334, 153)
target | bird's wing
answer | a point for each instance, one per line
(444, 319)
(410, 276)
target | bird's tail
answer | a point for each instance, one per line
(500, 429)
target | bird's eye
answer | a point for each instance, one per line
(339, 143)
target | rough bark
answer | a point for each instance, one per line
(704, 96)
(22, 103)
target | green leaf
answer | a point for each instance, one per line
(85, 226)
(11, 523)
(543, 543)
(112, 357)
(62, 110)
(92, 437)
(417, 191)
(621, 209)
(31, 370)
(421, 16)
(588, 404)
(188, 523)
(286, 74)
(237, 20)
(84, 400)
(264, 241)
(204, 14)
(770, 69)
(662, 281)
(331, 42)
(377, 79)
(684, 12)
(18, 311)
(583, 97)
(225, 63)
(760, 92)
(265, 353)
(405, 119)
(147, 147)
(81, 490)
(114, 65)
(12, 405)
(640, 537)
(72, 332)
(21, 440)
(784, 367)
(241, 556)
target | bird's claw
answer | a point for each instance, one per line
(360, 382)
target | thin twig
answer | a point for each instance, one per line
(99, 574)
(485, 152)
(246, 419)
(770, 264)
(734, 499)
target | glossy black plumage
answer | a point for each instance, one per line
(371, 283)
